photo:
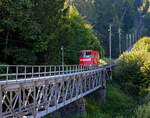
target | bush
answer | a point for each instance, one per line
(2, 69)
(133, 71)
(143, 111)
(116, 105)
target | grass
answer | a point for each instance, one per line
(143, 111)
(104, 61)
(116, 105)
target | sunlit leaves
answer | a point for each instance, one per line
(133, 72)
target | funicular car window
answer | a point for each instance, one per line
(88, 54)
(82, 54)
(85, 54)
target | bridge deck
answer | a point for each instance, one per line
(34, 91)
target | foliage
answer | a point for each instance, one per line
(120, 13)
(104, 60)
(23, 30)
(75, 35)
(2, 69)
(116, 105)
(132, 73)
(81, 36)
(21, 55)
(31, 29)
(146, 28)
(146, 15)
(143, 111)
(87, 9)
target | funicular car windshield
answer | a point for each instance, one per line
(85, 54)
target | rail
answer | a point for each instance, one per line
(15, 72)
(36, 97)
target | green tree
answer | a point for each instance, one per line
(133, 70)
(32, 29)
(120, 13)
(76, 35)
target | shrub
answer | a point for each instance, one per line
(143, 111)
(133, 71)
(2, 69)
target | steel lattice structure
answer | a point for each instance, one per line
(40, 95)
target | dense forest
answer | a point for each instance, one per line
(122, 14)
(33, 32)
(128, 94)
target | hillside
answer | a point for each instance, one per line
(121, 14)
(33, 32)
(128, 95)
(46, 32)
(133, 69)
(101, 13)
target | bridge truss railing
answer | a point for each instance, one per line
(39, 96)
(15, 72)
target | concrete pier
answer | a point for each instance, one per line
(73, 109)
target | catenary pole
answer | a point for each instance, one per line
(119, 32)
(110, 28)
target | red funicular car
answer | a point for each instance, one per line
(89, 58)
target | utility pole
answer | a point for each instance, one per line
(126, 41)
(62, 49)
(110, 41)
(130, 37)
(119, 32)
(109, 30)
(133, 38)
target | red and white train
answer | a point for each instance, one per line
(89, 58)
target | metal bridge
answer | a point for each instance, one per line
(34, 91)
